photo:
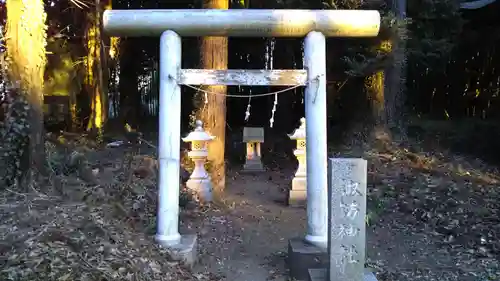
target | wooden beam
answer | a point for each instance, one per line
(242, 77)
(242, 22)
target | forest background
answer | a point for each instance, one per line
(433, 69)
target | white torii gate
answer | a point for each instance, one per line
(314, 25)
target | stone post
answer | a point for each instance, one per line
(347, 218)
(199, 181)
(253, 137)
(297, 195)
(347, 180)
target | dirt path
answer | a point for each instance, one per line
(247, 241)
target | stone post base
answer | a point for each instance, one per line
(297, 196)
(322, 275)
(186, 251)
(303, 256)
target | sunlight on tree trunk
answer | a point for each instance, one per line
(95, 62)
(25, 42)
(375, 88)
(379, 134)
(214, 56)
(112, 66)
(114, 43)
(72, 111)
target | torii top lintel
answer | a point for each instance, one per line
(242, 22)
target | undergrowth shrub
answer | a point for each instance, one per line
(14, 133)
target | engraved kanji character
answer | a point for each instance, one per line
(350, 210)
(338, 256)
(350, 254)
(351, 188)
(338, 231)
(345, 230)
(351, 231)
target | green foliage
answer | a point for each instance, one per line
(435, 27)
(342, 4)
(14, 132)
(55, 159)
(364, 59)
(430, 32)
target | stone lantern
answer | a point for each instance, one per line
(199, 181)
(297, 195)
(253, 137)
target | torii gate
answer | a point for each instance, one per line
(314, 25)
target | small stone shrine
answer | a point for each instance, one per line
(346, 222)
(253, 137)
(297, 195)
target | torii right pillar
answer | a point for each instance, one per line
(311, 252)
(316, 140)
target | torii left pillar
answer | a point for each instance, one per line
(182, 247)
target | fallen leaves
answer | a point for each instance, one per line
(444, 208)
(452, 201)
(78, 230)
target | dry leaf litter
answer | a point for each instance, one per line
(444, 209)
(448, 205)
(73, 229)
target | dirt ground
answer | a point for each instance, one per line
(431, 216)
(424, 223)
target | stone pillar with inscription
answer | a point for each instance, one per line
(346, 222)
(253, 137)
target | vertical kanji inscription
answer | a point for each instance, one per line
(347, 211)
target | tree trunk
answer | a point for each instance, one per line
(111, 68)
(381, 105)
(95, 77)
(128, 82)
(73, 122)
(396, 78)
(214, 55)
(25, 41)
(375, 88)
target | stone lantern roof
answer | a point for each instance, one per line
(300, 132)
(198, 134)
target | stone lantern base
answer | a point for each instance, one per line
(297, 196)
(202, 187)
